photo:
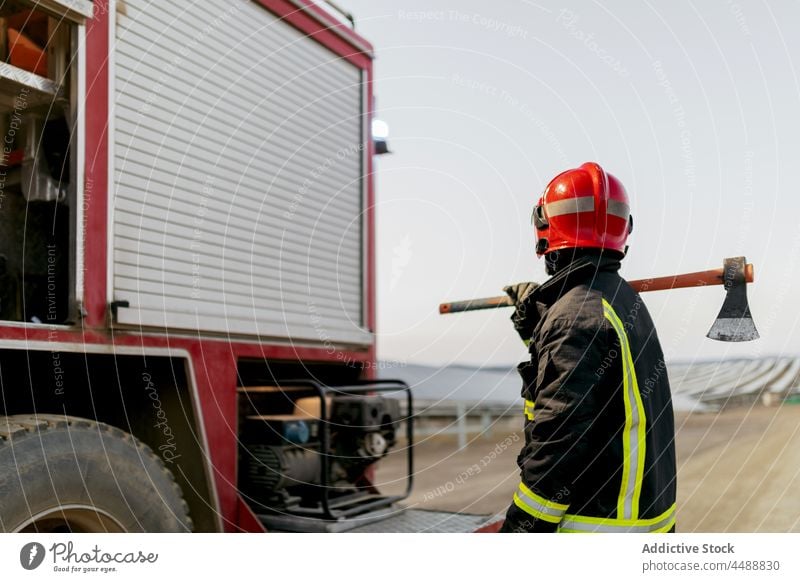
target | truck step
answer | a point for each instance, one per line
(424, 521)
(395, 519)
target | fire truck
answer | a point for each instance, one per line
(187, 272)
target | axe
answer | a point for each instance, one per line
(733, 324)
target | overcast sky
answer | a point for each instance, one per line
(695, 106)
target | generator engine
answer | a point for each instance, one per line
(283, 468)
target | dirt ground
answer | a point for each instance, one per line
(738, 471)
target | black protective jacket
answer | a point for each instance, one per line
(599, 430)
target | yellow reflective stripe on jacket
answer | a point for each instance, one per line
(538, 506)
(529, 404)
(584, 524)
(633, 437)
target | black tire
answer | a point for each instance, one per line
(61, 473)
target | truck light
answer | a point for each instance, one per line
(380, 135)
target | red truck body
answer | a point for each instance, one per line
(212, 360)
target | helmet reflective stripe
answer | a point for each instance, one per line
(585, 204)
(580, 523)
(619, 208)
(569, 206)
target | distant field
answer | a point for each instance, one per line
(738, 471)
(696, 386)
(711, 385)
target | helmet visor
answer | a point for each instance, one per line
(538, 218)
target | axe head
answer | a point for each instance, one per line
(734, 322)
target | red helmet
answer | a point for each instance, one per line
(583, 208)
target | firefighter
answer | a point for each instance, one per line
(599, 430)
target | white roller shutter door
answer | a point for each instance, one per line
(238, 175)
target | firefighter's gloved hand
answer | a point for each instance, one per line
(525, 316)
(519, 291)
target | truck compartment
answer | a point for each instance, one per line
(38, 191)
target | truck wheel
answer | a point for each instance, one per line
(67, 474)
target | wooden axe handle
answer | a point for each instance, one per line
(699, 279)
